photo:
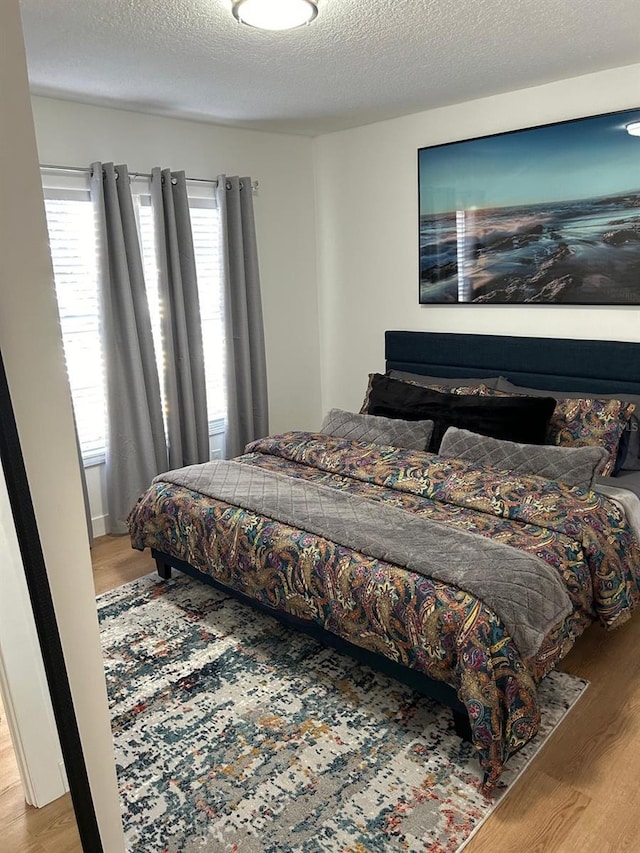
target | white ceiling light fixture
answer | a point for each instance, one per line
(633, 128)
(275, 14)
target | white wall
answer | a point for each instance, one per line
(367, 212)
(71, 134)
(32, 353)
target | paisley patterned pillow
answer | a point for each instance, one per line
(435, 381)
(480, 390)
(583, 422)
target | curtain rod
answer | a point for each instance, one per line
(85, 170)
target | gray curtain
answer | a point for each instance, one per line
(246, 373)
(184, 376)
(136, 447)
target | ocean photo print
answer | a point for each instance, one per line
(548, 214)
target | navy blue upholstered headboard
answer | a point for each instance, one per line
(556, 363)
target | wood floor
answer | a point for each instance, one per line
(579, 795)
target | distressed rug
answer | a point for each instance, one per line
(235, 733)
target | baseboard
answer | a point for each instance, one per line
(99, 525)
(63, 776)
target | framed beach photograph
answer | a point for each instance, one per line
(547, 214)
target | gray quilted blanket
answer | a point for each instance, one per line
(525, 592)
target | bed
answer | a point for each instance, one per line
(468, 581)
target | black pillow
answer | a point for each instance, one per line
(522, 419)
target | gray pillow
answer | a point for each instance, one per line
(625, 480)
(630, 442)
(575, 466)
(372, 429)
(420, 379)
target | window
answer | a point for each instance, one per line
(74, 250)
(73, 238)
(205, 228)
(207, 234)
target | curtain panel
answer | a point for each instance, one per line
(184, 374)
(136, 447)
(246, 372)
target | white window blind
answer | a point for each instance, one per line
(74, 249)
(205, 226)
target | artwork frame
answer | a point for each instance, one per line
(548, 214)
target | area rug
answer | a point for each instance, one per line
(235, 734)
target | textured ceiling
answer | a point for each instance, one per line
(360, 61)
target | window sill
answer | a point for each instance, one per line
(90, 460)
(98, 457)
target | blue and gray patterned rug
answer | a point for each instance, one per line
(234, 733)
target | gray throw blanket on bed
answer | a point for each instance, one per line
(528, 595)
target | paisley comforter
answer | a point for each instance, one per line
(412, 619)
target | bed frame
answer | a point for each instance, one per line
(549, 363)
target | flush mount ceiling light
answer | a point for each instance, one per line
(275, 14)
(633, 128)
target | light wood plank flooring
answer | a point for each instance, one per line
(580, 794)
